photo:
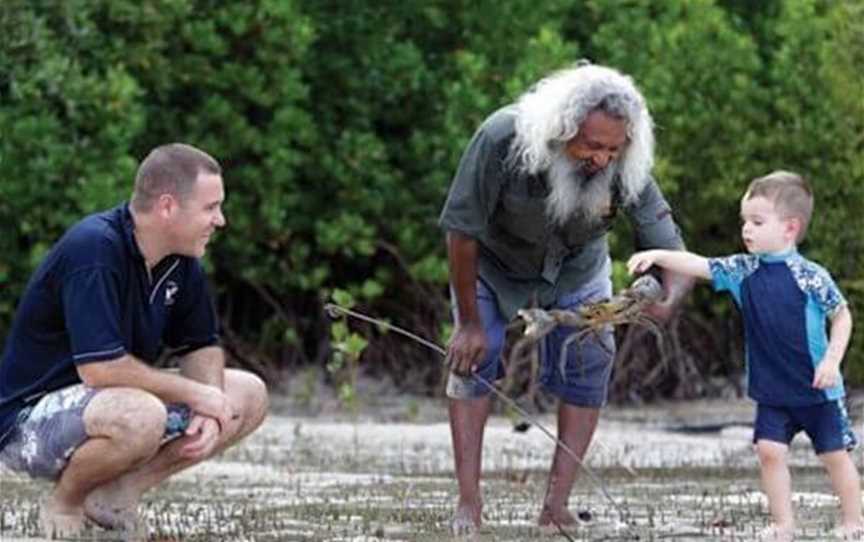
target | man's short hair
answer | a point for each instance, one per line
(790, 193)
(170, 169)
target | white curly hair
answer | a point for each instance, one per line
(550, 113)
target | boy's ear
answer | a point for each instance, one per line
(793, 227)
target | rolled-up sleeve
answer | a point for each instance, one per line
(652, 220)
(474, 192)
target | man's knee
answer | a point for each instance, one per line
(248, 393)
(133, 418)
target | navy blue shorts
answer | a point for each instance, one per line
(581, 378)
(827, 425)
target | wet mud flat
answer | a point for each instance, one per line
(680, 472)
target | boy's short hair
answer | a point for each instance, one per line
(791, 194)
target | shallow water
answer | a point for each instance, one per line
(312, 479)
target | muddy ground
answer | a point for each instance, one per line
(683, 472)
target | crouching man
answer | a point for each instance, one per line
(80, 403)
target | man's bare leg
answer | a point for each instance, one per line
(125, 426)
(115, 503)
(467, 421)
(576, 427)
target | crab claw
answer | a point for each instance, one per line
(537, 322)
(646, 287)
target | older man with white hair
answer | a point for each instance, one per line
(526, 220)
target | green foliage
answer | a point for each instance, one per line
(347, 348)
(340, 125)
(70, 112)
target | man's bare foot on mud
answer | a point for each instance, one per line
(552, 518)
(466, 520)
(60, 521)
(114, 507)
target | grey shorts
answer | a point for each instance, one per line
(48, 433)
(579, 378)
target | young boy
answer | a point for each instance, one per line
(793, 369)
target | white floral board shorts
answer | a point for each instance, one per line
(49, 432)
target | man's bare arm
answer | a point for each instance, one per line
(468, 345)
(128, 371)
(205, 365)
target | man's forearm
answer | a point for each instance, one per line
(128, 371)
(676, 285)
(205, 365)
(462, 256)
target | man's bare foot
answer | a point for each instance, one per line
(113, 506)
(60, 521)
(776, 533)
(466, 520)
(551, 519)
(852, 531)
(561, 516)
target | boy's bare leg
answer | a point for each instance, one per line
(847, 485)
(776, 482)
(115, 503)
(125, 426)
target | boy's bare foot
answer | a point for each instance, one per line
(466, 520)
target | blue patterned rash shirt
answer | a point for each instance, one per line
(785, 302)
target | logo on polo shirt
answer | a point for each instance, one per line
(171, 290)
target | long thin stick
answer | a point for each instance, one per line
(335, 310)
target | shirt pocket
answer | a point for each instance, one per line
(577, 233)
(522, 218)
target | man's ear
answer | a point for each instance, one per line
(166, 205)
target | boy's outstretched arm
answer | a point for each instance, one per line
(679, 261)
(828, 371)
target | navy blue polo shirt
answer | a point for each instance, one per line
(93, 299)
(785, 301)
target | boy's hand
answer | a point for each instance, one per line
(641, 262)
(827, 375)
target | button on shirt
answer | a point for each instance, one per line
(522, 256)
(92, 300)
(785, 301)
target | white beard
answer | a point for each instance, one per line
(571, 195)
